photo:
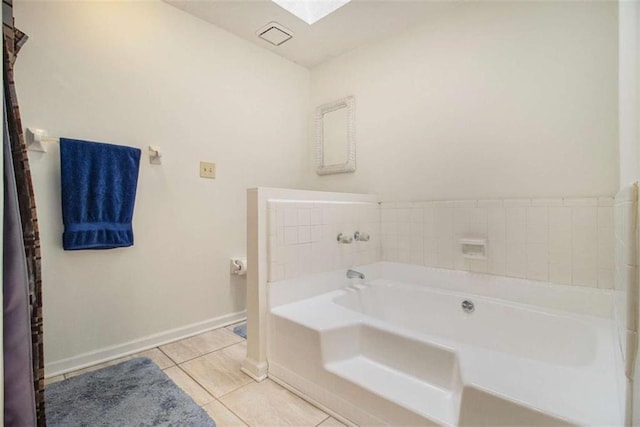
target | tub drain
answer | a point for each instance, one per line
(467, 306)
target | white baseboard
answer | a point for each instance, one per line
(257, 371)
(106, 354)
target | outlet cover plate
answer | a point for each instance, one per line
(207, 170)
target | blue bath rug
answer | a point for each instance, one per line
(241, 330)
(131, 393)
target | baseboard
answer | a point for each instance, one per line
(125, 349)
(257, 371)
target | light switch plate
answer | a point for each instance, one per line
(207, 170)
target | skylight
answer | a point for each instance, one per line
(311, 11)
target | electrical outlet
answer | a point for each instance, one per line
(207, 170)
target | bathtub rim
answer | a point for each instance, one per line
(574, 299)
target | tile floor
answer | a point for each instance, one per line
(207, 368)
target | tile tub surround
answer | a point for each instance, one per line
(302, 237)
(565, 241)
(626, 272)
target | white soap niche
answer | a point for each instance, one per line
(474, 248)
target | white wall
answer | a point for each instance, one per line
(629, 91)
(140, 73)
(629, 125)
(491, 100)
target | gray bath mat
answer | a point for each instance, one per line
(132, 393)
(241, 330)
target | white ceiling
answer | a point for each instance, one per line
(356, 23)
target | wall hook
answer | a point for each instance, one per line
(35, 137)
(155, 156)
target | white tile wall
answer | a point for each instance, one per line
(626, 270)
(302, 237)
(568, 241)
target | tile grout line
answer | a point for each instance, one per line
(207, 353)
(222, 395)
(197, 382)
(231, 410)
(202, 385)
(328, 416)
(169, 357)
(239, 387)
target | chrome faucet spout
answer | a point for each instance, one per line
(352, 274)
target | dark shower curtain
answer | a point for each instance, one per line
(22, 284)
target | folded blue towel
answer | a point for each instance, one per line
(99, 184)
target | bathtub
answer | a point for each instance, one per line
(399, 349)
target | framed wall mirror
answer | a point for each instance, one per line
(335, 137)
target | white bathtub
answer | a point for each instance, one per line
(398, 349)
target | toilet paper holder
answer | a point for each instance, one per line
(239, 266)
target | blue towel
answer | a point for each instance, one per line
(98, 194)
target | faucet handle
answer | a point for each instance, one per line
(361, 237)
(344, 239)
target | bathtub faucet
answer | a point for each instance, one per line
(352, 274)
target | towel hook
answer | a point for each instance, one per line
(35, 137)
(155, 156)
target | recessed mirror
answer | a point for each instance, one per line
(335, 137)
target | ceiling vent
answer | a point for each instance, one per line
(275, 33)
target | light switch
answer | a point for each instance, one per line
(207, 170)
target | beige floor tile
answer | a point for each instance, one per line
(221, 415)
(96, 367)
(219, 372)
(331, 422)
(190, 348)
(52, 380)
(186, 383)
(268, 404)
(158, 357)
